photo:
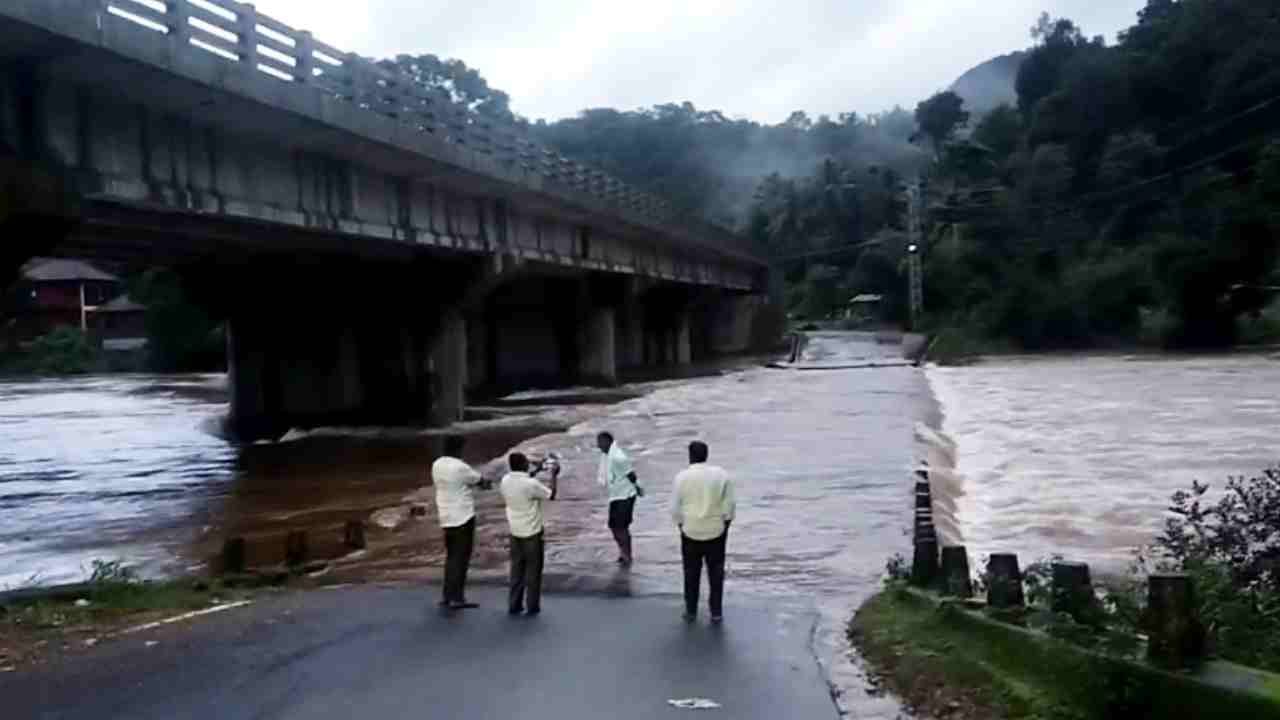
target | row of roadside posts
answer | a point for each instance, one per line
(1175, 636)
(297, 548)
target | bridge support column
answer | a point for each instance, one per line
(682, 339)
(284, 376)
(599, 347)
(449, 369)
(733, 320)
(630, 328)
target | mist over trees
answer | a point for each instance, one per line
(1080, 193)
(711, 164)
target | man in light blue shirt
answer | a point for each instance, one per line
(619, 480)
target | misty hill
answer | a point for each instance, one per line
(990, 84)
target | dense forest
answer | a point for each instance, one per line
(1128, 193)
(1079, 193)
(1133, 193)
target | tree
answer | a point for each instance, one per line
(464, 85)
(181, 335)
(940, 116)
(1040, 73)
(1000, 131)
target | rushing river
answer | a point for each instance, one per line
(1078, 456)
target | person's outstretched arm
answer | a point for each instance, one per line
(677, 513)
(728, 501)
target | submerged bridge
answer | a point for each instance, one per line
(376, 249)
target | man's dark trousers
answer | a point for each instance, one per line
(526, 573)
(458, 543)
(695, 553)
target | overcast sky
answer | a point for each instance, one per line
(754, 58)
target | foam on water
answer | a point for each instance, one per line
(1078, 455)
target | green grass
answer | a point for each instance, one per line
(115, 593)
(928, 650)
(940, 670)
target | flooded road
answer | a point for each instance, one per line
(1049, 455)
(1078, 456)
(129, 468)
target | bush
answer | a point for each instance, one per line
(1260, 329)
(1231, 549)
(64, 351)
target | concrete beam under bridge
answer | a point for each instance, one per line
(343, 344)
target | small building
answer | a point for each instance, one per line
(56, 292)
(119, 324)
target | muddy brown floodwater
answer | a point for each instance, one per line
(128, 467)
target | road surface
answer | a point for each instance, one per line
(388, 653)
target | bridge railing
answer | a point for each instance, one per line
(237, 32)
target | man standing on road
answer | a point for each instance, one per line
(703, 506)
(455, 483)
(524, 497)
(619, 480)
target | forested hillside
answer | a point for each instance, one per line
(1126, 193)
(1133, 194)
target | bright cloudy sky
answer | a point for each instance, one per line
(755, 58)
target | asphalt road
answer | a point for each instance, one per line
(387, 653)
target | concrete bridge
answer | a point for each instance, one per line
(377, 249)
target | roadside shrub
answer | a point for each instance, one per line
(1231, 549)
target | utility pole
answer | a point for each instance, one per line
(915, 226)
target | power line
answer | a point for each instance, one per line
(829, 251)
(1188, 138)
(1101, 196)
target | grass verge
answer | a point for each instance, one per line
(952, 662)
(38, 629)
(938, 670)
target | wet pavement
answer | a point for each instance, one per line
(387, 653)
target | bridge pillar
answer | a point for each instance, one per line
(732, 322)
(343, 345)
(284, 375)
(449, 365)
(630, 327)
(682, 339)
(598, 356)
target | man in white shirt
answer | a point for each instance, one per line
(703, 506)
(455, 483)
(524, 497)
(619, 480)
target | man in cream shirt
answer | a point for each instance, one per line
(703, 506)
(455, 483)
(524, 497)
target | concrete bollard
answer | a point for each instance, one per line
(1176, 637)
(295, 548)
(353, 535)
(1004, 582)
(924, 496)
(233, 556)
(923, 518)
(1072, 592)
(924, 562)
(955, 572)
